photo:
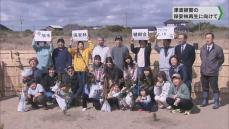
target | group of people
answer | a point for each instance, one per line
(99, 74)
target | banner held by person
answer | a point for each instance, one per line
(43, 36)
(140, 34)
(80, 35)
(165, 33)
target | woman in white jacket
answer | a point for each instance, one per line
(161, 89)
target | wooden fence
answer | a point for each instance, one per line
(10, 79)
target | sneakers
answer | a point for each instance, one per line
(46, 107)
(187, 112)
(84, 109)
(169, 107)
(176, 111)
(161, 106)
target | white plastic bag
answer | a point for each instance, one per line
(157, 90)
(95, 91)
(55, 87)
(106, 107)
(21, 104)
(61, 102)
(86, 90)
(129, 99)
(26, 72)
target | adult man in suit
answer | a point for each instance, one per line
(186, 54)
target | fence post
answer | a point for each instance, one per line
(2, 79)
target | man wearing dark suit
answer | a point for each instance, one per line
(186, 54)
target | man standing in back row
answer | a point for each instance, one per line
(212, 58)
(119, 52)
(186, 54)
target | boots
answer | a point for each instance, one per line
(216, 101)
(205, 99)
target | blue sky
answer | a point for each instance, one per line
(40, 13)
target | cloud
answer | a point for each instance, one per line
(96, 12)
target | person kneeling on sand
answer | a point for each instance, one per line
(161, 89)
(143, 102)
(36, 95)
(179, 96)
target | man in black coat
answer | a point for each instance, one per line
(186, 54)
(142, 55)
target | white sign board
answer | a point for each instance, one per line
(80, 35)
(43, 36)
(140, 34)
(165, 33)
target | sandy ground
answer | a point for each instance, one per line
(202, 118)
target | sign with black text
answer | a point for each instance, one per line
(80, 35)
(140, 34)
(165, 33)
(43, 36)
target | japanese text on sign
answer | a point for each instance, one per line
(165, 33)
(197, 13)
(140, 34)
(80, 35)
(42, 36)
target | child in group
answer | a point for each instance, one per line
(147, 82)
(130, 72)
(127, 101)
(113, 95)
(98, 69)
(161, 89)
(143, 102)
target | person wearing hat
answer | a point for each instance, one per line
(43, 51)
(179, 96)
(36, 73)
(177, 67)
(70, 80)
(119, 52)
(36, 95)
(61, 58)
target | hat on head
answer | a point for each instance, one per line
(33, 58)
(118, 37)
(70, 67)
(176, 75)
